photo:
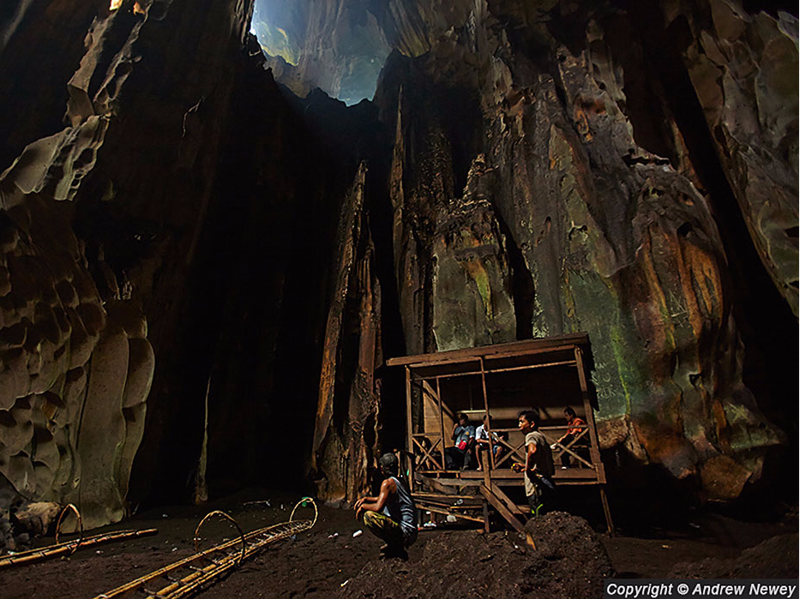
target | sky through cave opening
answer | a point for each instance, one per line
(340, 49)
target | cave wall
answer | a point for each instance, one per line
(348, 416)
(107, 216)
(744, 71)
(198, 208)
(76, 369)
(193, 256)
(542, 183)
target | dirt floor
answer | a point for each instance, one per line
(329, 561)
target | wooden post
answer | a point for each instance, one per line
(441, 422)
(486, 527)
(606, 510)
(594, 448)
(587, 406)
(487, 476)
(410, 431)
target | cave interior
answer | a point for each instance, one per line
(219, 219)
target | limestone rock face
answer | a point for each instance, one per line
(74, 379)
(38, 518)
(176, 233)
(349, 401)
(45, 33)
(744, 70)
(607, 237)
(472, 301)
(85, 234)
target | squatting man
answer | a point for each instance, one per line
(392, 515)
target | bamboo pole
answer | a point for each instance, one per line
(69, 547)
(222, 560)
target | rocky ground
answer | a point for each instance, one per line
(571, 558)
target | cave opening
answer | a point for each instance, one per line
(305, 50)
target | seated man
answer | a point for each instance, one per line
(392, 515)
(574, 427)
(459, 455)
(482, 443)
(538, 467)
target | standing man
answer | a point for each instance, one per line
(538, 468)
(459, 455)
(392, 515)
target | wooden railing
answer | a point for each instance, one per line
(429, 448)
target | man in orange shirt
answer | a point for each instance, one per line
(574, 427)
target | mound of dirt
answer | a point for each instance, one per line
(773, 558)
(569, 561)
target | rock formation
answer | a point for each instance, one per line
(525, 204)
(349, 399)
(78, 363)
(202, 273)
(743, 69)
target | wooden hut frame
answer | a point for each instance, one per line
(429, 418)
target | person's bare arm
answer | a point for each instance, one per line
(530, 465)
(387, 488)
(362, 500)
(528, 459)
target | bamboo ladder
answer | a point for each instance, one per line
(70, 547)
(191, 574)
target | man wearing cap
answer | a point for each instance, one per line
(392, 515)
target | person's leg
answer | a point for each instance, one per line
(533, 503)
(499, 452)
(479, 454)
(453, 458)
(565, 460)
(385, 529)
(543, 498)
(547, 494)
(467, 460)
(448, 458)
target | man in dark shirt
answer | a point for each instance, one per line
(392, 515)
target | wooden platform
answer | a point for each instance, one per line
(436, 387)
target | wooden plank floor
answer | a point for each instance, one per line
(506, 476)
